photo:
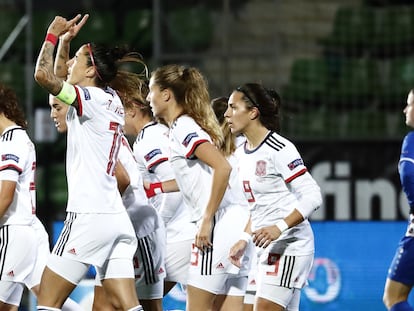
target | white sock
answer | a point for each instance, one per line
(137, 308)
(71, 305)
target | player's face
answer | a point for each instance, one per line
(156, 99)
(78, 69)
(409, 110)
(238, 115)
(58, 112)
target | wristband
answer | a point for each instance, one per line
(282, 225)
(245, 237)
(51, 38)
(154, 189)
(67, 94)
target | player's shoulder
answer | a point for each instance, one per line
(184, 122)
(14, 133)
(278, 142)
(153, 133)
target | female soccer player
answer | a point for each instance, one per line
(400, 277)
(97, 229)
(149, 228)
(179, 96)
(151, 153)
(282, 195)
(17, 201)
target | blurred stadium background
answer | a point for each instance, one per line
(342, 67)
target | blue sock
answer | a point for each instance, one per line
(401, 306)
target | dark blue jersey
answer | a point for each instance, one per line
(406, 168)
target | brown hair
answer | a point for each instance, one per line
(191, 92)
(10, 107)
(219, 105)
(132, 87)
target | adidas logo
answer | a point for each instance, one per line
(161, 270)
(11, 273)
(220, 266)
(72, 251)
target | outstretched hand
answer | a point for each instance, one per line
(61, 25)
(74, 29)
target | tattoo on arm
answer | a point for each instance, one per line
(45, 65)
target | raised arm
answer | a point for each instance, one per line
(44, 72)
(63, 49)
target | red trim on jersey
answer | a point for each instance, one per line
(195, 145)
(301, 172)
(80, 108)
(160, 160)
(11, 166)
(113, 154)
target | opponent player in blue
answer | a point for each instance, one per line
(400, 277)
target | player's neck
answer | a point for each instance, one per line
(255, 136)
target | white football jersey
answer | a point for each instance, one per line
(151, 152)
(193, 176)
(266, 173)
(18, 164)
(144, 217)
(93, 142)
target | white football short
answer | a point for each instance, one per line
(103, 240)
(149, 266)
(43, 253)
(177, 261)
(278, 276)
(229, 223)
(19, 251)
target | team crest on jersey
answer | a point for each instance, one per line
(295, 163)
(152, 154)
(9, 156)
(260, 168)
(86, 93)
(188, 138)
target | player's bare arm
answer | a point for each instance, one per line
(44, 73)
(63, 50)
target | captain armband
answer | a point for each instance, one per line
(67, 94)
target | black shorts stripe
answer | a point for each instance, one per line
(144, 247)
(4, 242)
(288, 265)
(64, 235)
(207, 255)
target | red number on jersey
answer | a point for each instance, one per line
(194, 255)
(136, 267)
(248, 190)
(113, 126)
(273, 260)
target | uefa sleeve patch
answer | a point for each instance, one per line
(188, 138)
(86, 93)
(9, 156)
(295, 163)
(150, 155)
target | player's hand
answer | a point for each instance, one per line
(237, 252)
(61, 25)
(202, 240)
(73, 31)
(265, 235)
